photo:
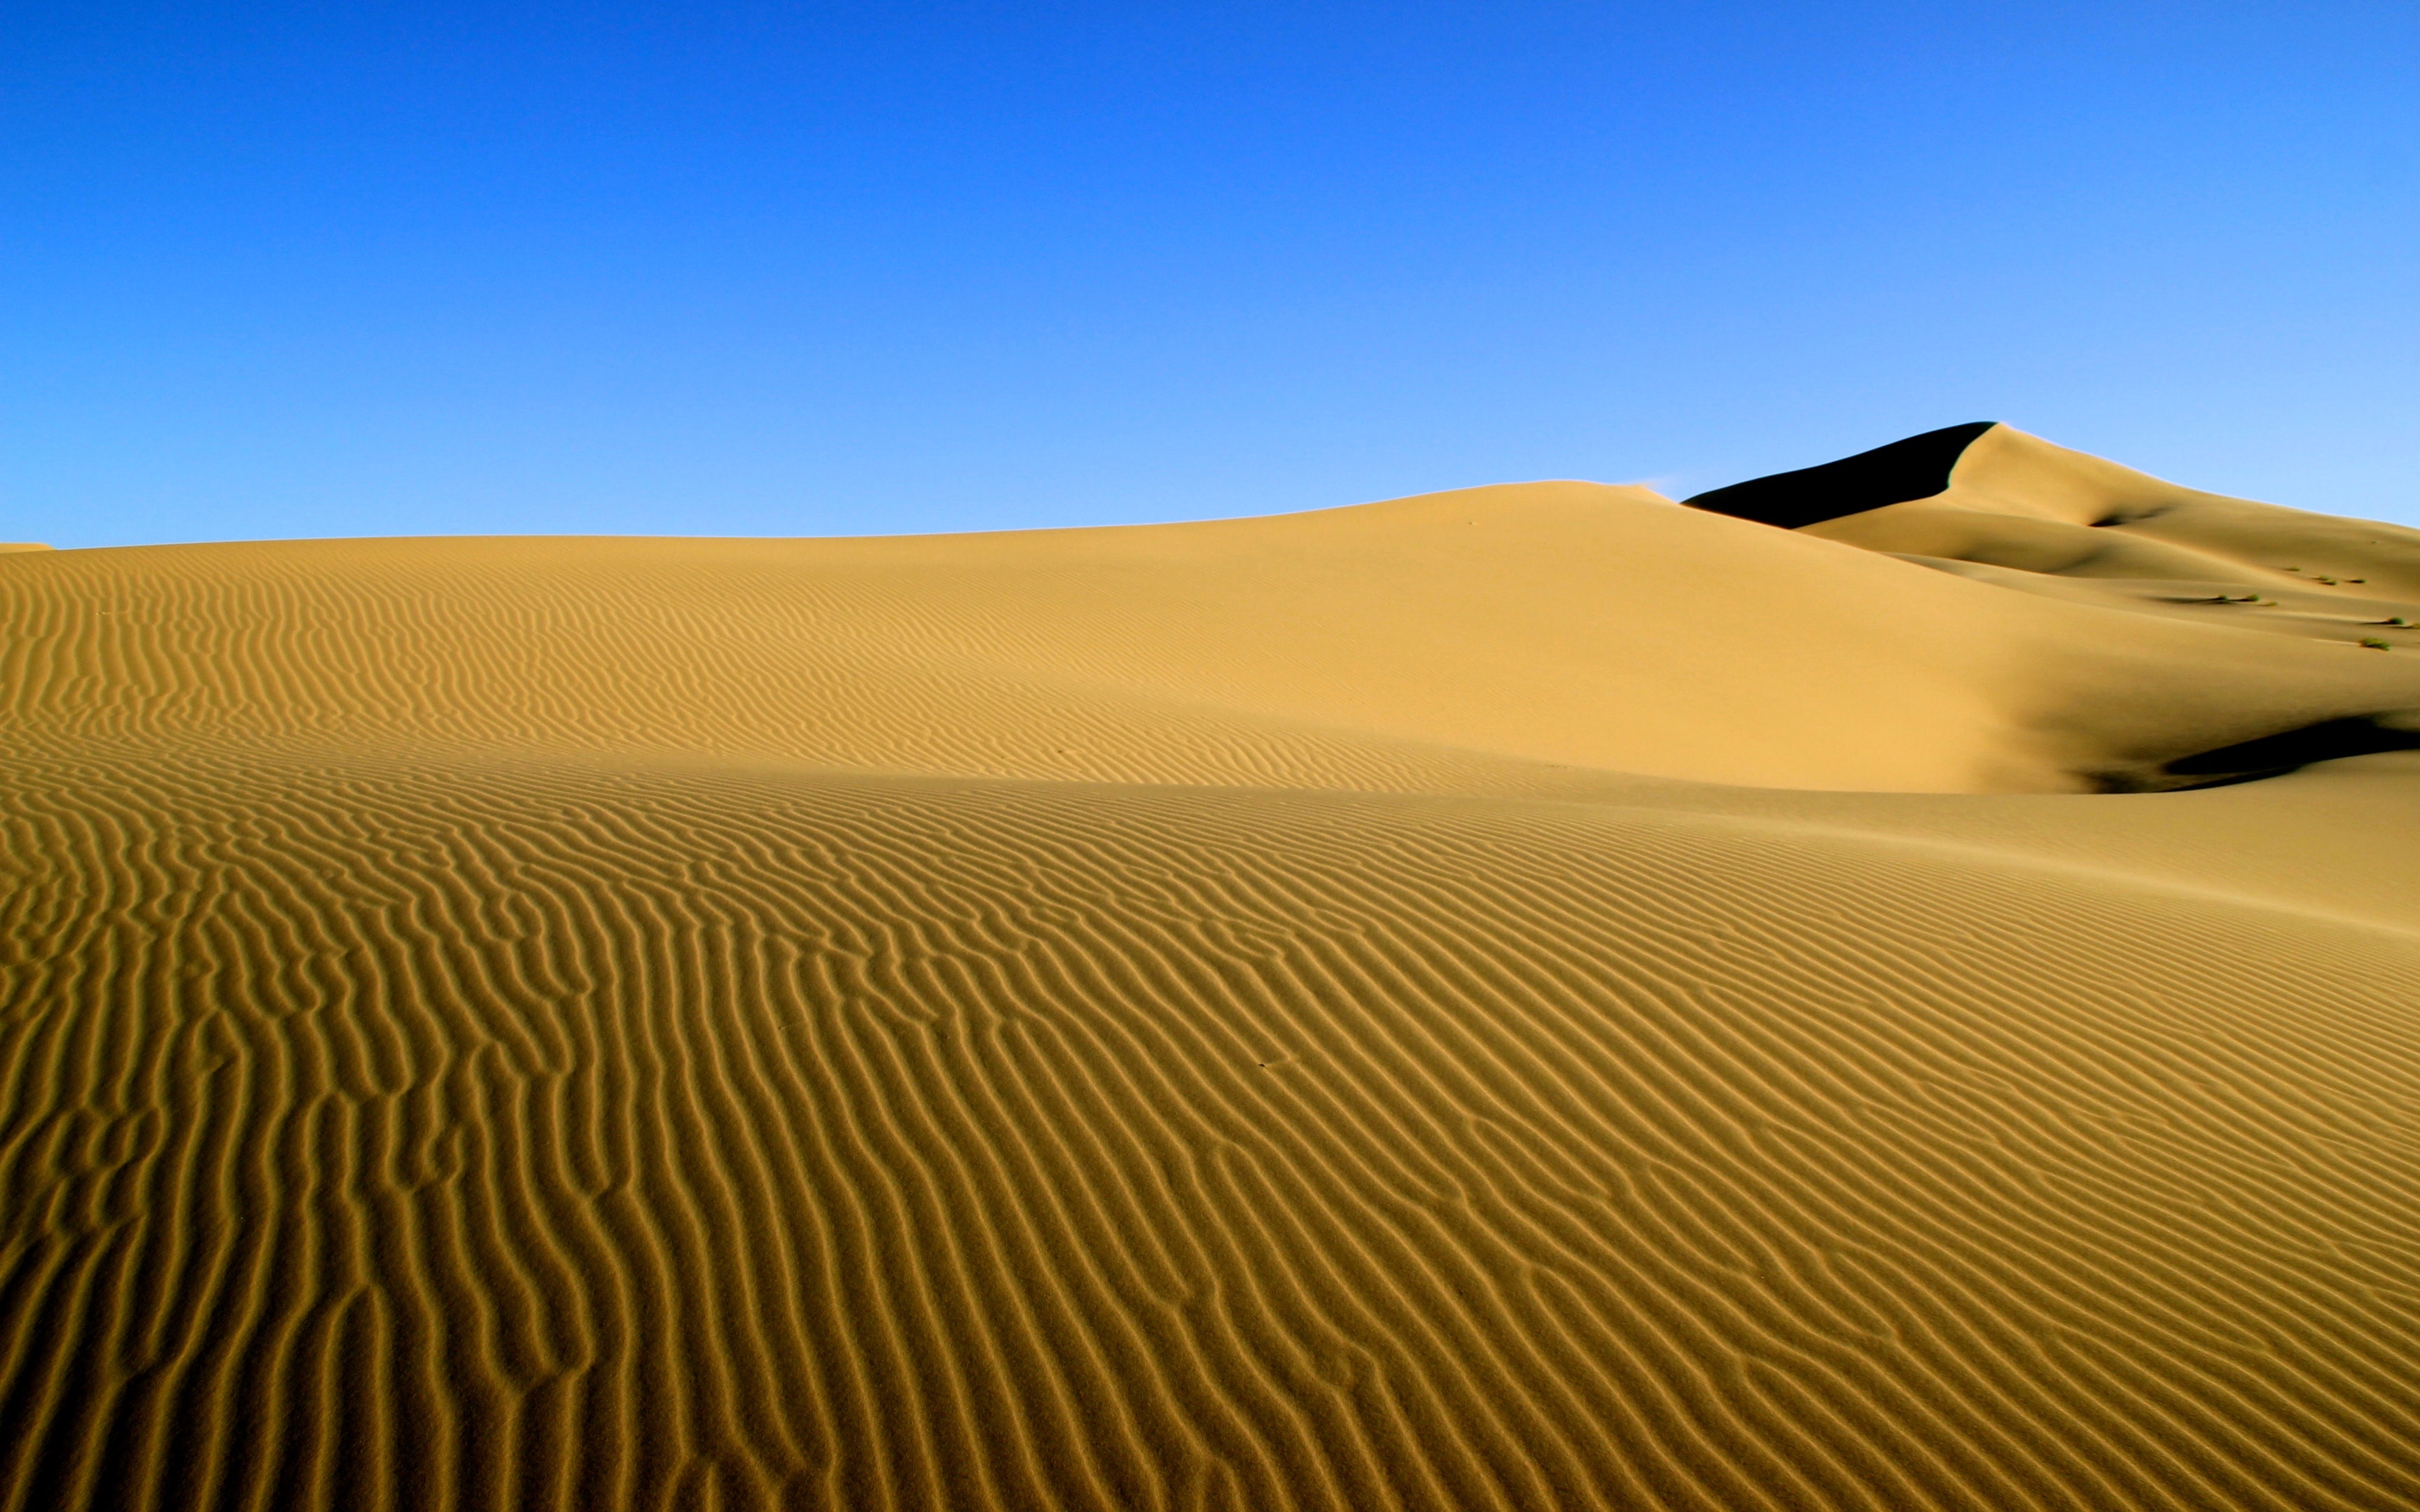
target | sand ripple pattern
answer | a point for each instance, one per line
(379, 1133)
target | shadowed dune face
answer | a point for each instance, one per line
(1525, 998)
(1915, 467)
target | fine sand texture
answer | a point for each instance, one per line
(1532, 997)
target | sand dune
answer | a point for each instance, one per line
(1526, 997)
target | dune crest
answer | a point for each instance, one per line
(1996, 507)
(1524, 997)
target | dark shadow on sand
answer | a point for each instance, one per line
(2268, 756)
(1916, 467)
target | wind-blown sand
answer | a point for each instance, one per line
(1528, 998)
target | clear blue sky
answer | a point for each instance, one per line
(738, 268)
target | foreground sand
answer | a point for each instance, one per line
(1528, 998)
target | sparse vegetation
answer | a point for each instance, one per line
(2374, 643)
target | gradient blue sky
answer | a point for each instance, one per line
(731, 268)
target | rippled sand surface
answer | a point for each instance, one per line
(1531, 997)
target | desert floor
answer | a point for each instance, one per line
(1527, 997)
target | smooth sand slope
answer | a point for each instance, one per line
(1530, 997)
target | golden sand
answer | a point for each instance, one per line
(1528, 998)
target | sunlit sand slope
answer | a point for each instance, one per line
(1270, 1014)
(1555, 625)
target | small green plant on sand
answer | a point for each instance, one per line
(2374, 643)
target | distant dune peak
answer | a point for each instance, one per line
(1917, 467)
